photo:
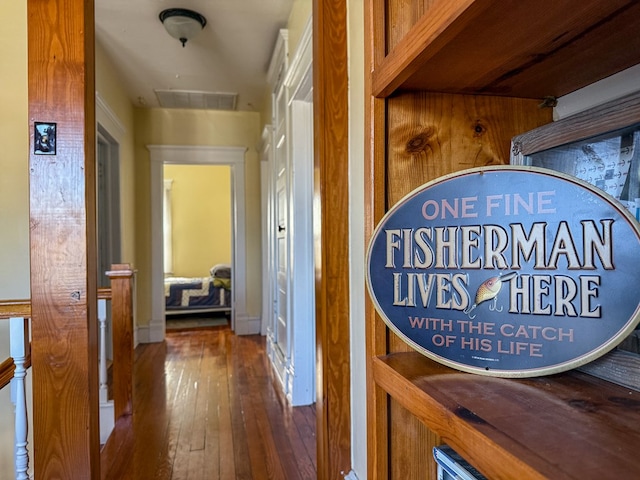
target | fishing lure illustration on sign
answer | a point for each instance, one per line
(489, 290)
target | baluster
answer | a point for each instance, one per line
(107, 419)
(19, 349)
(102, 320)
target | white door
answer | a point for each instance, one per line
(291, 338)
(281, 315)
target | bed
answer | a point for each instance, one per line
(200, 294)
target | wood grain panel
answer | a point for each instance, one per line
(411, 455)
(431, 135)
(62, 236)
(331, 232)
(402, 15)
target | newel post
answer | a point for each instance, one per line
(121, 277)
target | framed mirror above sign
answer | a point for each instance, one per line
(600, 146)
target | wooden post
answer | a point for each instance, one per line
(122, 326)
(62, 128)
(331, 166)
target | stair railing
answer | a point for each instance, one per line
(13, 372)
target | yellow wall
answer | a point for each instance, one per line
(14, 193)
(300, 14)
(159, 126)
(14, 160)
(201, 217)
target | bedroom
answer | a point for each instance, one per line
(197, 244)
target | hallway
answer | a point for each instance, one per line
(206, 407)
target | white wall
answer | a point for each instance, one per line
(610, 88)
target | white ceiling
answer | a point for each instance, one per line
(231, 54)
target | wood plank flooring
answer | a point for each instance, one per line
(206, 406)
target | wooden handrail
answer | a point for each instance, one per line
(15, 308)
(104, 293)
(10, 309)
(7, 368)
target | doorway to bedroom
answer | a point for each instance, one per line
(234, 159)
(197, 245)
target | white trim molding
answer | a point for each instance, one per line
(608, 89)
(108, 119)
(234, 157)
(280, 54)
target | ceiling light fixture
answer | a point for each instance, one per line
(182, 24)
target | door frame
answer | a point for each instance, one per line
(110, 130)
(233, 157)
(109, 198)
(331, 188)
(267, 222)
(301, 371)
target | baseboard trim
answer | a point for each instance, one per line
(246, 325)
(152, 333)
(107, 421)
(155, 331)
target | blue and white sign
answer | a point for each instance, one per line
(507, 271)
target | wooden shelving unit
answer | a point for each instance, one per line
(452, 81)
(511, 48)
(568, 425)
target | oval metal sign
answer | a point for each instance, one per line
(507, 271)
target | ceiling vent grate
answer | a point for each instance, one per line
(194, 99)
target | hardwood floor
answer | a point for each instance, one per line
(207, 407)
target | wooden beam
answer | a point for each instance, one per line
(63, 239)
(331, 166)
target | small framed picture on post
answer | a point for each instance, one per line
(44, 139)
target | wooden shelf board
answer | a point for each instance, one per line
(477, 47)
(565, 426)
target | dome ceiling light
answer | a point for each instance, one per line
(182, 24)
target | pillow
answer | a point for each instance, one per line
(222, 270)
(222, 283)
